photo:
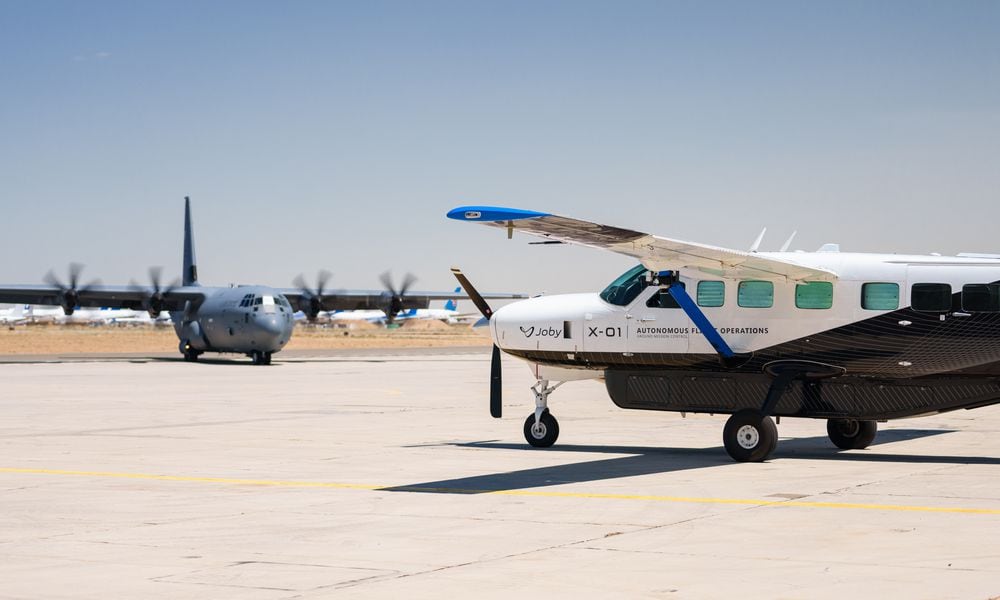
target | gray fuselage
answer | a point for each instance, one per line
(241, 319)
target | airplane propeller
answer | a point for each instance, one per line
(155, 301)
(70, 293)
(311, 301)
(395, 299)
(496, 381)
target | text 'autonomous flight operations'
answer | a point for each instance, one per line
(254, 320)
(849, 337)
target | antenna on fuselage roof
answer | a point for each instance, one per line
(760, 238)
(788, 242)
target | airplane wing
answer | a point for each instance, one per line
(379, 299)
(655, 252)
(108, 296)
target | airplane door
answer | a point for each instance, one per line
(657, 325)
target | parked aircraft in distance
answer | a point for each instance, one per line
(13, 316)
(449, 314)
(254, 320)
(847, 337)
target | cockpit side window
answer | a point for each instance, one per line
(624, 290)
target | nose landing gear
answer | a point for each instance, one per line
(540, 428)
(260, 358)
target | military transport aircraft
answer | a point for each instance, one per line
(252, 320)
(847, 337)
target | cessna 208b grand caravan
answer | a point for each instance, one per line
(253, 320)
(850, 338)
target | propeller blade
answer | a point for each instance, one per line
(322, 278)
(51, 279)
(74, 274)
(408, 281)
(496, 385)
(155, 273)
(300, 282)
(474, 295)
(386, 280)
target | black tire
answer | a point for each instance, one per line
(190, 354)
(851, 434)
(545, 434)
(267, 358)
(257, 357)
(749, 436)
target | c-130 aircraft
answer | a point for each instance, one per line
(254, 320)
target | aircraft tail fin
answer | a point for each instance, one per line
(190, 271)
(452, 304)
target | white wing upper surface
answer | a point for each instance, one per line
(655, 252)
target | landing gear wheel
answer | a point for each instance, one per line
(260, 358)
(851, 434)
(542, 434)
(190, 354)
(749, 436)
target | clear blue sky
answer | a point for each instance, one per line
(336, 135)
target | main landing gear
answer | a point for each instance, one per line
(540, 428)
(851, 434)
(751, 436)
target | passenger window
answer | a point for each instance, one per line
(663, 299)
(755, 294)
(931, 297)
(711, 293)
(814, 294)
(981, 297)
(880, 296)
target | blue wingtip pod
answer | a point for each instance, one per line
(492, 213)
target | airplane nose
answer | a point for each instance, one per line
(271, 325)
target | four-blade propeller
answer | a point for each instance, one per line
(155, 301)
(394, 299)
(311, 302)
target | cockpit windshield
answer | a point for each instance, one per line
(623, 290)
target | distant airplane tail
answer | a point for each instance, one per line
(190, 271)
(452, 304)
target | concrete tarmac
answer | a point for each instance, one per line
(368, 475)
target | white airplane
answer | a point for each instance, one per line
(847, 337)
(449, 314)
(13, 316)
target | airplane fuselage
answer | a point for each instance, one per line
(241, 319)
(887, 321)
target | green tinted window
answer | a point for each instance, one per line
(711, 293)
(755, 294)
(880, 296)
(814, 294)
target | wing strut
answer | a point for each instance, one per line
(726, 354)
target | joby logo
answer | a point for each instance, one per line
(528, 331)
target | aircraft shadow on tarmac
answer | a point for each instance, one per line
(651, 461)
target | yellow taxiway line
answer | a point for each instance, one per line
(522, 493)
